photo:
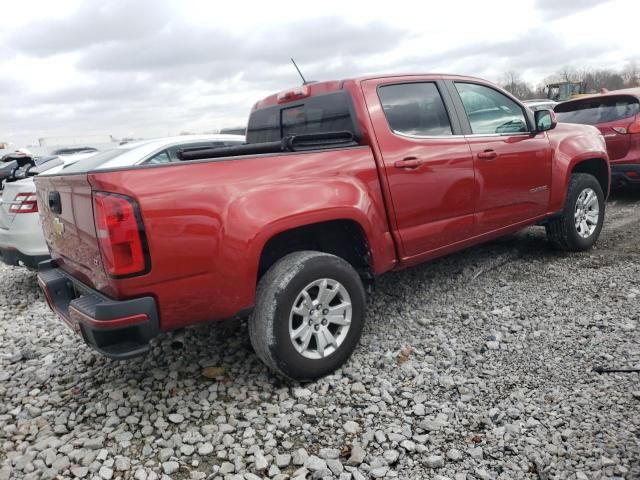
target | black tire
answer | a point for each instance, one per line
(562, 231)
(276, 294)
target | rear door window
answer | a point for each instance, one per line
(592, 111)
(415, 109)
(490, 112)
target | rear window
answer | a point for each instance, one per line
(592, 111)
(331, 112)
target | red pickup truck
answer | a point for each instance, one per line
(338, 182)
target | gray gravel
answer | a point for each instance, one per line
(476, 366)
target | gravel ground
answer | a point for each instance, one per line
(476, 366)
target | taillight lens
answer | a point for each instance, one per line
(120, 234)
(25, 203)
(634, 127)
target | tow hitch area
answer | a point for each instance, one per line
(116, 329)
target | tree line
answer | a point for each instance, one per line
(593, 80)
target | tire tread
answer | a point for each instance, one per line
(272, 283)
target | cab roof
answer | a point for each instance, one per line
(319, 88)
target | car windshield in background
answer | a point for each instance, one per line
(94, 161)
(43, 164)
(593, 111)
(320, 114)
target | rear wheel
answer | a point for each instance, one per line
(309, 315)
(578, 227)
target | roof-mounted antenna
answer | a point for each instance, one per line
(304, 82)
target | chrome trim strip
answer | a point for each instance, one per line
(424, 137)
(473, 135)
(516, 134)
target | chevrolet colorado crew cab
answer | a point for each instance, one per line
(338, 182)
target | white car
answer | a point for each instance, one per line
(21, 239)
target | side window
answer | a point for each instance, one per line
(158, 158)
(415, 109)
(491, 112)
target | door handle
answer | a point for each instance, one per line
(409, 162)
(488, 155)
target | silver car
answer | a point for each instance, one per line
(21, 239)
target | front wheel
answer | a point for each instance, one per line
(309, 314)
(578, 226)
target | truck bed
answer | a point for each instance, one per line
(207, 222)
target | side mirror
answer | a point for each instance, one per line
(545, 120)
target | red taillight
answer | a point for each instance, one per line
(294, 94)
(634, 127)
(24, 203)
(120, 234)
(632, 174)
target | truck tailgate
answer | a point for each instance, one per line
(66, 210)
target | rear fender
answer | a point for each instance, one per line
(286, 207)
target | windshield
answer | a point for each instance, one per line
(592, 111)
(47, 164)
(94, 161)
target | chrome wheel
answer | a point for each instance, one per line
(587, 213)
(320, 318)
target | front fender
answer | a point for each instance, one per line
(572, 145)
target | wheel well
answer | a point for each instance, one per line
(343, 238)
(598, 168)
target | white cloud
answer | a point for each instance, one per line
(150, 68)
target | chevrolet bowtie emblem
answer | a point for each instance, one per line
(58, 226)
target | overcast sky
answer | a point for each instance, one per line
(152, 68)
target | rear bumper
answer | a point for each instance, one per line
(625, 174)
(14, 258)
(116, 329)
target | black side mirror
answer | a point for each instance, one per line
(545, 120)
(7, 169)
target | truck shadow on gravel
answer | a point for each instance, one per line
(626, 195)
